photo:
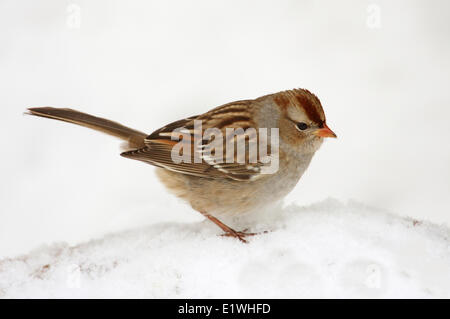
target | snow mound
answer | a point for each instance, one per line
(329, 249)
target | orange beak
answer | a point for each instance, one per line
(325, 131)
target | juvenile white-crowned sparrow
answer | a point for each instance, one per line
(229, 187)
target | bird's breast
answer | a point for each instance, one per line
(224, 196)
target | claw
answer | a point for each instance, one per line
(230, 232)
(241, 234)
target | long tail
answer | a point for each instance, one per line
(134, 138)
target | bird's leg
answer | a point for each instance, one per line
(229, 232)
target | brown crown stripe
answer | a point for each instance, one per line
(310, 108)
(281, 100)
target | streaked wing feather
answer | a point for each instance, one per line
(159, 145)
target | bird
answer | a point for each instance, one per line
(216, 179)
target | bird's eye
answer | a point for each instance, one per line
(302, 126)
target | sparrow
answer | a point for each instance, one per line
(295, 125)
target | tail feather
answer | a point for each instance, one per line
(134, 138)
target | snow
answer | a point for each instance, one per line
(329, 249)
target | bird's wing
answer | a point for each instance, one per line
(204, 150)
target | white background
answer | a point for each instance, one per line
(385, 92)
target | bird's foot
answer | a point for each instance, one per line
(240, 234)
(230, 232)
